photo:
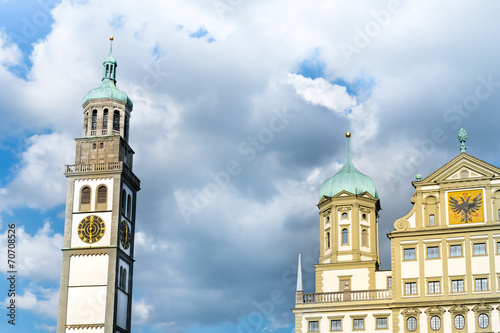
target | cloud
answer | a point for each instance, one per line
(321, 92)
(196, 102)
(39, 180)
(39, 255)
(41, 301)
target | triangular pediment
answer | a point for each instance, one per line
(343, 194)
(462, 167)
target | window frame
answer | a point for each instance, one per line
(346, 234)
(310, 322)
(412, 283)
(336, 328)
(439, 322)
(413, 320)
(377, 318)
(434, 251)
(410, 250)
(455, 321)
(481, 250)
(358, 320)
(434, 284)
(483, 315)
(456, 281)
(454, 252)
(482, 280)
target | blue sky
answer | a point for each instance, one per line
(269, 86)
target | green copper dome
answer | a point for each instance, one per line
(348, 179)
(108, 87)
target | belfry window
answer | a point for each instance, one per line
(345, 236)
(102, 193)
(128, 205)
(116, 120)
(85, 198)
(432, 220)
(94, 120)
(124, 201)
(105, 119)
(328, 240)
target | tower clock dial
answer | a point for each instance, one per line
(125, 234)
(91, 229)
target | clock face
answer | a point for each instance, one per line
(91, 229)
(124, 234)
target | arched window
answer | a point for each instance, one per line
(411, 324)
(499, 214)
(364, 238)
(459, 322)
(483, 320)
(124, 279)
(116, 120)
(94, 120)
(85, 198)
(124, 201)
(125, 131)
(345, 236)
(102, 196)
(128, 205)
(431, 220)
(435, 323)
(105, 119)
(120, 277)
(328, 240)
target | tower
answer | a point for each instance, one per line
(349, 206)
(98, 250)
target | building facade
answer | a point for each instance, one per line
(97, 267)
(445, 255)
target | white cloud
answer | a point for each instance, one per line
(39, 180)
(37, 256)
(41, 301)
(140, 311)
(321, 92)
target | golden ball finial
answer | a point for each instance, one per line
(111, 38)
(347, 134)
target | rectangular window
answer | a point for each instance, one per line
(482, 284)
(359, 324)
(434, 287)
(381, 322)
(389, 282)
(479, 249)
(498, 247)
(457, 286)
(336, 325)
(456, 250)
(314, 326)
(409, 254)
(433, 252)
(410, 288)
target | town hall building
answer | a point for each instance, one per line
(445, 255)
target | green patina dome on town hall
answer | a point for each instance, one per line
(349, 179)
(108, 87)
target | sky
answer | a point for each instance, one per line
(240, 114)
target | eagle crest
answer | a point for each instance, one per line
(465, 207)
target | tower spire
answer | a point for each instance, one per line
(299, 275)
(109, 73)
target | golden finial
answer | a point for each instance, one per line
(347, 134)
(111, 38)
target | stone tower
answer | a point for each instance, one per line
(98, 250)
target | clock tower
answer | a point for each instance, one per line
(98, 250)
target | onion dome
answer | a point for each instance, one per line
(349, 179)
(108, 87)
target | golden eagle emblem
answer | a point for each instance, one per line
(466, 207)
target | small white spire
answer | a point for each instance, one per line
(299, 275)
